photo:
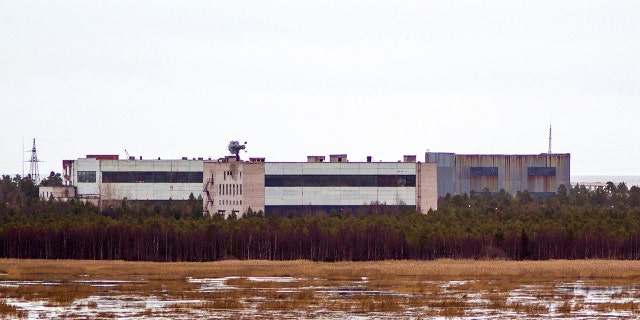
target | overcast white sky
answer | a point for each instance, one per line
(300, 77)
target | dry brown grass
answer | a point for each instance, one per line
(531, 309)
(565, 308)
(175, 288)
(221, 304)
(11, 312)
(381, 271)
(59, 294)
(364, 304)
(617, 306)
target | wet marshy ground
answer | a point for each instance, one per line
(298, 290)
(295, 298)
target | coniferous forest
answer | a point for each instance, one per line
(576, 224)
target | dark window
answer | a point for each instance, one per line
(159, 177)
(195, 177)
(139, 176)
(367, 180)
(144, 176)
(387, 181)
(541, 171)
(125, 177)
(182, 177)
(107, 177)
(293, 181)
(340, 180)
(402, 181)
(349, 181)
(411, 181)
(484, 171)
(87, 176)
(272, 181)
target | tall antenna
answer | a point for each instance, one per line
(549, 138)
(35, 174)
(23, 151)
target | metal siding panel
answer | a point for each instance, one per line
(292, 196)
(274, 168)
(387, 196)
(196, 165)
(311, 196)
(315, 167)
(369, 168)
(367, 195)
(328, 169)
(408, 195)
(123, 166)
(283, 196)
(348, 196)
(292, 168)
(161, 165)
(453, 171)
(479, 183)
(349, 168)
(272, 196)
(109, 166)
(387, 168)
(406, 168)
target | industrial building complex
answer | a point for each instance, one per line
(229, 185)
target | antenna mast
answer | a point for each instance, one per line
(549, 138)
(35, 174)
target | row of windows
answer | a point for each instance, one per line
(230, 173)
(311, 180)
(151, 177)
(493, 171)
(230, 202)
(230, 189)
(87, 176)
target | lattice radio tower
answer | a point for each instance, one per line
(35, 174)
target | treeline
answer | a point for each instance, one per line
(576, 224)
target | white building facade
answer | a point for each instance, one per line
(102, 178)
(315, 186)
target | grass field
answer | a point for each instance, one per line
(299, 289)
(595, 270)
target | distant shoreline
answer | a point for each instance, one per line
(629, 180)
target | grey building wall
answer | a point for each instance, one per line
(540, 174)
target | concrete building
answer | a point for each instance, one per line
(540, 175)
(62, 193)
(282, 187)
(233, 186)
(228, 185)
(100, 178)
